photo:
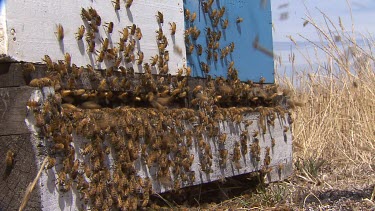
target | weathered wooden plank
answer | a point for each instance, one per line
(13, 187)
(13, 110)
(11, 75)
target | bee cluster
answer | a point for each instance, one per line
(134, 121)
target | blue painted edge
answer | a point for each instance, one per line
(251, 63)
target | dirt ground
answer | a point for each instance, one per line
(341, 188)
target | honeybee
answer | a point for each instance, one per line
(9, 162)
(61, 178)
(51, 162)
(85, 14)
(195, 33)
(216, 56)
(105, 44)
(160, 17)
(187, 14)
(222, 138)
(100, 56)
(273, 142)
(48, 62)
(93, 12)
(236, 153)
(132, 29)
(116, 4)
(91, 46)
(140, 57)
(74, 171)
(221, 12)
(231, 47)
(138, 33)
(193, 17)
(199, 49)
(59, 32)
(190, 49)
(239, 20)
(173, 28)
(286, 128)
(128, 3)
(154, 60)
(223, 156)
(205, 68)
(81, 31)
(109, 26)
(68, 59)
(125, 34)
(33, 104)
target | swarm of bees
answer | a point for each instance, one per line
(145, 118)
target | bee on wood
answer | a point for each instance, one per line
(239, 20)
(105, 44)
(93, 12)
(159, 34)
(190, 49)
(101, 55)
(128, 3)
(216, 56)
(90, 35)
(160, 17)
(9, 162)
(236, 155)
(195, 33)
(193, 17)
(68, 59)
(154, 60)
(140, 57)
(286, 128)
(85, 15)
(59, 32)
(173, 28)
(132, 29)
(81, 31)
(223, 157)
(231, 47)
(138, 33)
(125, 34)
(187, 14)
(28, 68)
(199, 49)
(205, 68)
(94, 27)
(116, 4)
(273, 142)
(166, 56)
(33, 105)
(213, 15)
(91, 46)
(221, 12)
(267, 157)
(109, 26)
(205, 7)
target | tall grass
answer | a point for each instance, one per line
(337, 121)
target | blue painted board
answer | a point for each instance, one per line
(251, 63)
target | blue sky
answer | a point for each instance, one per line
(363, 15)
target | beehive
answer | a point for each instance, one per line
(120, 129)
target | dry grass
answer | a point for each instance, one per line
(336, 122)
